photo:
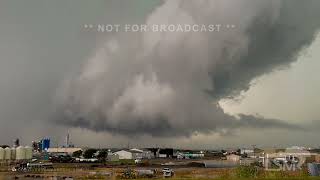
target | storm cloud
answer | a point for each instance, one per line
(170, 83)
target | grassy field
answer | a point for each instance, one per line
(81, 171)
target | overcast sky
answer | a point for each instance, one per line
(43, 43)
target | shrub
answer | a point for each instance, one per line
(246, 171)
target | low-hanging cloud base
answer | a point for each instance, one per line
(170, 83)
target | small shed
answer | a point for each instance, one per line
(233, 158)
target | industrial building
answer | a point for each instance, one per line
(123, 154)
(42, 145)
(63, 150)
(135, 154)
(16, 154)
(45, 144)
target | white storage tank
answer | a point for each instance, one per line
(20, 153)
(7, 153)
(13, 153)
(1, 154)
(28, 151)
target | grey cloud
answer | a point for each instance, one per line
(251, 121)
(271, 46)
(42, 41)
(156, 83)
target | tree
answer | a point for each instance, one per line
(89, 153)
(238, 152)
(4, 146)
(102, 155)
(77, 154)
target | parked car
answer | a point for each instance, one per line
(167, 172)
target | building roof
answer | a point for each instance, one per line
(136, 150)
(63, 150)
(121, 151)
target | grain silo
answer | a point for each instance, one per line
(13, 153)
(7, 153)
(28, 151)
(20, 153)
(1, 154)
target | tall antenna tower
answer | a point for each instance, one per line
(67, 140)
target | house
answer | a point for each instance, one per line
(123, 154)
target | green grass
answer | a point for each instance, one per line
(253, 172)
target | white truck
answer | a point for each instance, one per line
(167, 172)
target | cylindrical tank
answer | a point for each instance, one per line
(20, 153)
(28, 151)
(13, 153)
(1, 154)
(7, 153)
